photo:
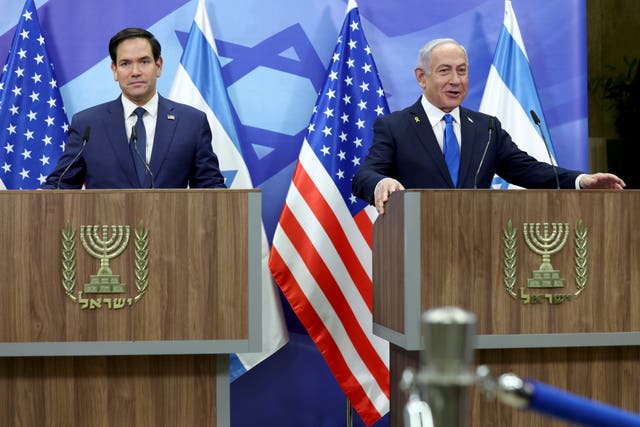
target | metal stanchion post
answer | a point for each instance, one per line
(439, 392)
(446, 367)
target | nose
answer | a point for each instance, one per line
(136, 68)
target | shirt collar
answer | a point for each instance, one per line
(435, 115)
(151, 106)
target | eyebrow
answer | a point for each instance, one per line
(136, 59)
(441, 66)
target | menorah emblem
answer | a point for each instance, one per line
(545, 240)
(99, 244)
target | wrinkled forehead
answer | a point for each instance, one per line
(449, 54)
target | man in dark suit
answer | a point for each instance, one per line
(140, 140)
(412, 147)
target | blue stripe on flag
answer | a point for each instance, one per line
(236, 367)
(202, 65)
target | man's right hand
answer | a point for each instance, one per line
(383, 190)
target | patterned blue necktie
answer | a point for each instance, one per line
(141, 146)
(451, 149)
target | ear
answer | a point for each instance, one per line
(113, 69)
(419, 73)
(159, 63)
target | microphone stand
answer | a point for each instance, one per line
(85, 138)
(484, 154)
(134, 141)
(536, 120)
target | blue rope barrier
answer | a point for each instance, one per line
(569, 407)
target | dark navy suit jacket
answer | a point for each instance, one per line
(182, 154)
(405, 148)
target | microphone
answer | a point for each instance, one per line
(536, 120)
(486, 148)
(85, 138)
(134, 139)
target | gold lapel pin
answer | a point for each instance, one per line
(417, 119)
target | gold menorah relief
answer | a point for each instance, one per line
(546, 239)
(105, 243)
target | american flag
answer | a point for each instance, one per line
(321, 252)
(33, 123)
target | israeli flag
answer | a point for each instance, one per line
(198, 82)
(510, 94)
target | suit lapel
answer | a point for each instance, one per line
(420, 122)
(117, 138)
(165, 129)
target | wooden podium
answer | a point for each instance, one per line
(100, 330)
(468, 248)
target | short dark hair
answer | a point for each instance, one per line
(132, 33)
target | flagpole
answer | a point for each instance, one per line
(349, 414)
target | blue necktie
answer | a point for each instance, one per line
(141, 146)
(451, 149)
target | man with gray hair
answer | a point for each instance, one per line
(436, 143)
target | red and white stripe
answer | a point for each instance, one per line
(321, 259)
